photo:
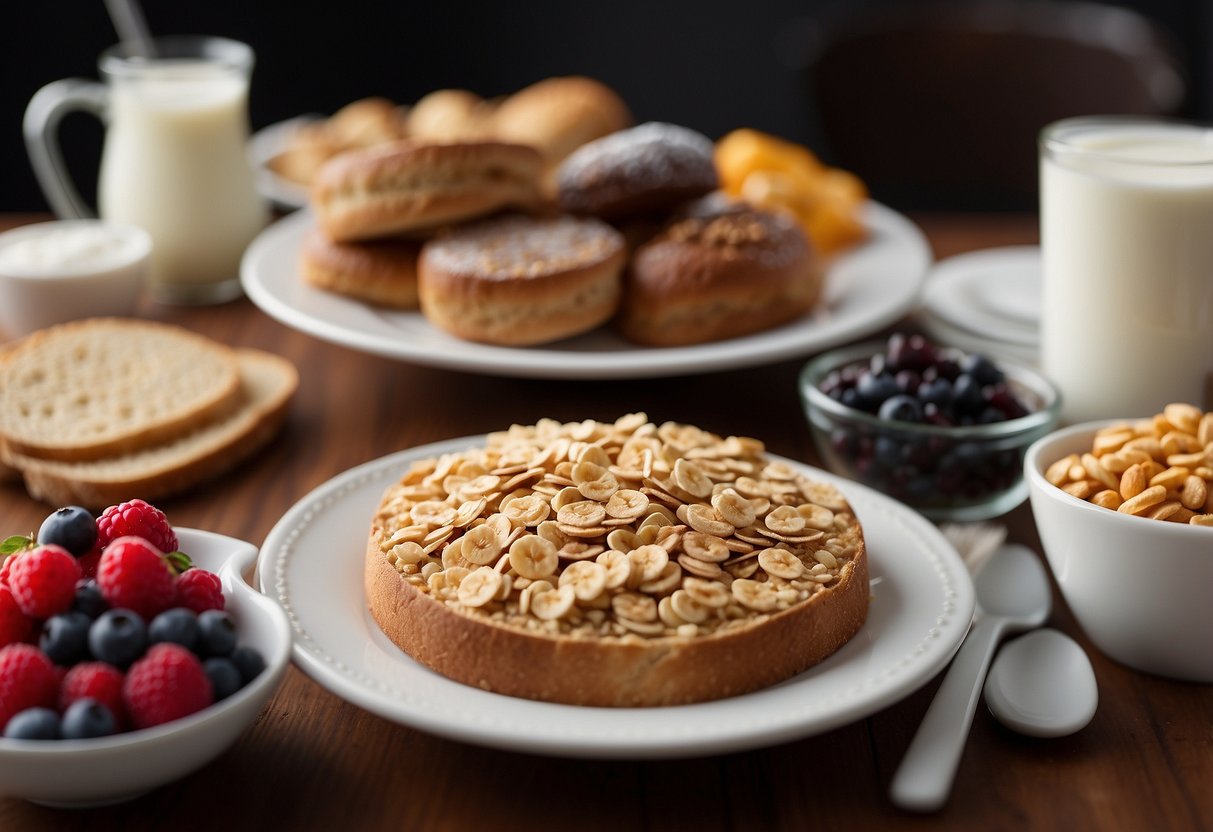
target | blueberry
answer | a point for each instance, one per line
(118, 637)
(887, 451)
(33, 724)
(71, 527)
(874, 388)
(64, 637)
(850, 398)
(88, 598)
(86, 718)
(224, 675)
(216, 633)
(178, 625)
(248, 661)
(967, 398)
(980, 368)
(901, 408)
(937, 391)
(908, 381)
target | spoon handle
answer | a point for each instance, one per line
(924, 778)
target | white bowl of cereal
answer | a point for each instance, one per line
(1135, 572)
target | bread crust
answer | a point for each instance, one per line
(166, 353)
(612, 671)
(520, 281)
(721, 272)
(558, 115)
(382, 272)
(248, 428)
(412, 186)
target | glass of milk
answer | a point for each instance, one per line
(174, 161)
(1126, 223)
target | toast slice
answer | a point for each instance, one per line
(267, 383)
(103, 387)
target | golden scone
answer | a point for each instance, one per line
(719, 271)
(615, 564)
(367, 122)
(643, 170)
(382, 272)
(559, 115)
(519, 280)
(412, 186)
(451, 115)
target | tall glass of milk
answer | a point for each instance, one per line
(1126, 222)
(174, 161)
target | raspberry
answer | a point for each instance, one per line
(27, 680)
(135, 517)
(88, 562)
(43, 581)
(166, 684)
(199, 590)
(134, 575)
(15, 626)
(94, 680)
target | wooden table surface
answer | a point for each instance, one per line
(314, 761)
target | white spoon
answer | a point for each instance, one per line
(1042, 685)
(1012, 596)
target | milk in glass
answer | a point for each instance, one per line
(175, 164)
(1127, 239)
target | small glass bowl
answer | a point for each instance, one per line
(962, 473)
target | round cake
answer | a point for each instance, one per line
(615, 564)
(519, 280)
(720, 270)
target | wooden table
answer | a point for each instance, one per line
(313, 761)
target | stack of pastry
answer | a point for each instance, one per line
(544, 216)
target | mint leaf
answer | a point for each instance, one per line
(16, 543)
(179, 561)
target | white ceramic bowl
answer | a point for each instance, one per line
(1138, 587)
(52, 272)
(116, 768)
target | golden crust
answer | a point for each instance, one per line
(615, 672)
(615, 564)
(519, 281)
(410, 186)
(558, 115)
(723, 272)
(382, 272)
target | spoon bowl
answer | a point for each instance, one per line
(1042, 685)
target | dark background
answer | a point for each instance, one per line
(710, 65)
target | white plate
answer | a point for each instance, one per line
(944, 333)
(312, 564)
(263, 146)
(994, 293)
(866, 289)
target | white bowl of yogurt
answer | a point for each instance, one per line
(52, 272)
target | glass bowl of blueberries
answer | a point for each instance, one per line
(939, 429)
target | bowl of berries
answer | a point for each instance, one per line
(941, 430)
(131, 653)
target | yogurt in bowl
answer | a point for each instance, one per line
(52, 272)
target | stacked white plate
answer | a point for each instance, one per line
(986, 301)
